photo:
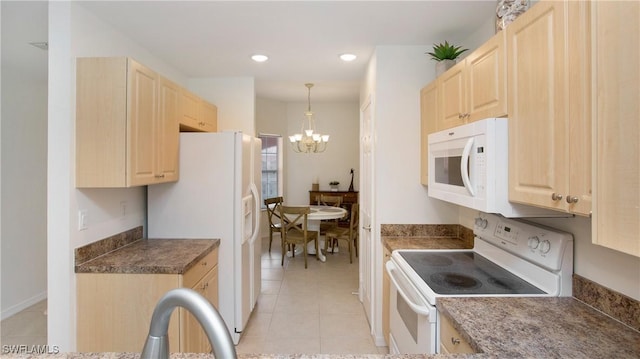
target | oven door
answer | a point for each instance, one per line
(412, 321)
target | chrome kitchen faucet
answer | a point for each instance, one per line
(157, 344)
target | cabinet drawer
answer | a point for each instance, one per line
(451, 340)
(193, 275)
(350, 198)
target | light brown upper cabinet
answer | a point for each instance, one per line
(469, 91)
(452, 99)
(615, 56)
(476, 87)
(428, 118)
(549, 107)
(126, 124)
(197, 114)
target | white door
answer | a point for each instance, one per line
(366, 207)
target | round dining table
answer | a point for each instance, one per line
(318, 214)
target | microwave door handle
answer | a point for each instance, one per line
(464, 167)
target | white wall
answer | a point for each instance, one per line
(394, 79)
(271, 118)
(24, 180)
(340, 120)
(73, 32)
(235, 99)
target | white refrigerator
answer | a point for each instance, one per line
(217, 196)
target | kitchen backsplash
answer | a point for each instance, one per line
(428, 230)
(106, 245)
(612, 303)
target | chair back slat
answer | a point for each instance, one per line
(294, 220)
(327, 200)
(273, 214)
(355, 219)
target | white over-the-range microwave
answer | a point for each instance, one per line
(468, 166)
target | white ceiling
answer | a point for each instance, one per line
(302, 38)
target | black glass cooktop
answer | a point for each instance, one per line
(456, 273)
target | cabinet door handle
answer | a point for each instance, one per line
(556, 197)
(572, 199)
(159, 176)
(204, 264)
(455, 341)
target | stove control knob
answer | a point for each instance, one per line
(545, 246)
(533, 242)
(481, 222)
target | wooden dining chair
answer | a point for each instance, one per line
(328, 200)
(273, 214)
(349, 234)
(294, 230)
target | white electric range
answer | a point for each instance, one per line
(510, 258)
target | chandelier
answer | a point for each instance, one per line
(308, 140)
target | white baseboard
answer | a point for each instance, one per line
(379, 341)
(15, 309)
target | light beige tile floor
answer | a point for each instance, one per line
(308, 311)
(28, 327)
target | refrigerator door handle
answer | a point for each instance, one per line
(256, 211)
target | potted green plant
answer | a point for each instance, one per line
(445, 55)
(334, 185)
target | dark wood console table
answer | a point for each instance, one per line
(348, 198)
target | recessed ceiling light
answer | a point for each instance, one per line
(259, 58)
(347, 57)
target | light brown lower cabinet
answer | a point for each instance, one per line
(114, 309)
(451, 342)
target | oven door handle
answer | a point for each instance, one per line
(464, 167)
(417, 308)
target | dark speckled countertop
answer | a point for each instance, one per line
(497, 327)
(154, 256)
(539, 327)
(426, 236)
(248, 356)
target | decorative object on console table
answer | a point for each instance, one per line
(508, 10)
(445, 55)
(351, 185)
(334, 186)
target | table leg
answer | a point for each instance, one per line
(314, 225)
